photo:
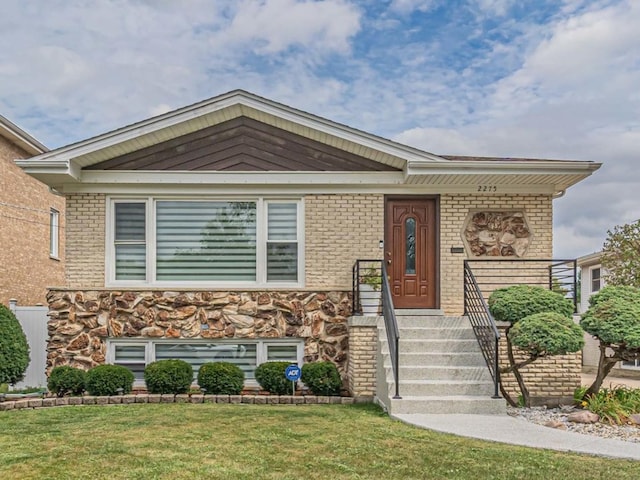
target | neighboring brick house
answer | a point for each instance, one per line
(31, 224)
(228, 230)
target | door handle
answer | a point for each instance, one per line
(388, 262)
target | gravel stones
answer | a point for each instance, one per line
(559, 418)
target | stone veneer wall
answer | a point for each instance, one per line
(82, 320)
(453, 212)
(550, 380)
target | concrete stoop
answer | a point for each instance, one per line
(442, 369)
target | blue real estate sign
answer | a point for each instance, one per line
(292, 373)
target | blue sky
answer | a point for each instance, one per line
(527, 78)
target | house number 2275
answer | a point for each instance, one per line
(487, 188)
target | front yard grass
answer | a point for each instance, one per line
(184, 441)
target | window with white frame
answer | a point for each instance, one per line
(246, 354)
(596, 279)
(54, 233)
(162, 241)
(631, 364)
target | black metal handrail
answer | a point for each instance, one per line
(374, 272)
(559, 275)
(484, 325)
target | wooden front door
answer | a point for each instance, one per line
(411, 251)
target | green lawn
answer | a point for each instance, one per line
(184, 441)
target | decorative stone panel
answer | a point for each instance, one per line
(82, 320)
(496, 234)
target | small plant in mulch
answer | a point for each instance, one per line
(615, 406)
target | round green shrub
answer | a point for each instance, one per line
(65, 380)
(322, 378)
(511, 304)
(168, 376)
(612, 292)
(547, 333)
(614, 321)
(270, 376)
(14, 349)
(221, 378)
(107, 379)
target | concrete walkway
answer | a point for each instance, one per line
(516, 431)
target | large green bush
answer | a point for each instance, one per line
(107, 379)
(270, 376)
(168, 376)
(611, 292)
(614, 321)
(511, 304)
(65, 380)
(547, 333)
(221, 378)
(322, 378)
(14, 349)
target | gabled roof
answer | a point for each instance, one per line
(79, 163)
(19, 137)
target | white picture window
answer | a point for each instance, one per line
(246, 354)
(205, 242)
(54, 233)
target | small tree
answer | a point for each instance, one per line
(14, 349)
(518, 303)
(613, 318)
(542, 335)
(621, 255)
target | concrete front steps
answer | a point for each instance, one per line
(442, 369)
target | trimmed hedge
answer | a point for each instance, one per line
(221, 378)
(14, 349)
(168, 376)
(270, 376)
(65, 380)
(511, 304)
(104, 380)
(322, 378)
(547, 333)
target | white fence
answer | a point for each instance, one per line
(34, 324)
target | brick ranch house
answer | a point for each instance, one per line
(228, 230)
(31, 222)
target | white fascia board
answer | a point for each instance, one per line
(242, 178)
(502, 168)
(296, 189)
(62, 169)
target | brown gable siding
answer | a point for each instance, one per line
(241, 144)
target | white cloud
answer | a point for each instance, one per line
(272, 26)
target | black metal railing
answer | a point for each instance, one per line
(373, 274)
(484, 325)
(559, 275)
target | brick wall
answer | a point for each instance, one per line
(26, 269)
(548, 379)
(453, 212)
(363, 344)
(338, 230)
(85, 240)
